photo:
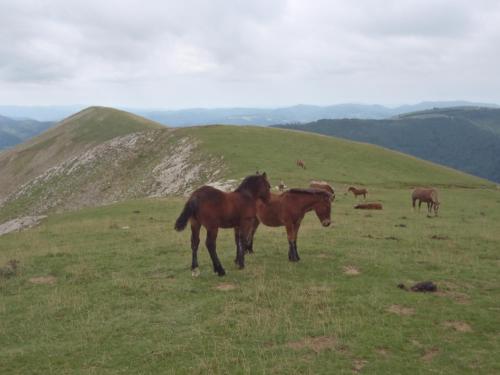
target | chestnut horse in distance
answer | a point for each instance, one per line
(214, 209)
(301, 163)
(357, 192)
(288, 209)
(427, 195)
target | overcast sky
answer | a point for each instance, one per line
(214, 53)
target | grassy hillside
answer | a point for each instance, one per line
(109, 291)
(467, 139)
(100, 156)
(335, 160)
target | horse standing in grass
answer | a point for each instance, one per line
(357, 192)
(216, 209)
(323, 185)
(288, 209)
(429, 196)
(301, 163)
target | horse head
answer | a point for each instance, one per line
(436, 208)
(323, 208)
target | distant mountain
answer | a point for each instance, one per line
(241, 116)
(293, 114)
(14, 131)
(39, 113)
(465, 138)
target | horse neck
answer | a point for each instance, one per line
(308, 201)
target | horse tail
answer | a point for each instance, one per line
(189, 210)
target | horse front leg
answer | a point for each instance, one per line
(211, 247)
(293, 256)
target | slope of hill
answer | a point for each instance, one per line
(13, 132)
(466, 138)
(102, 155)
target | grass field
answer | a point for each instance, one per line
(109, 291)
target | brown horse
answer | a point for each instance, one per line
(300, 163)
(357, 192)
(216, 209)
(369, 206)
(288, 209)
(429, 196)
(323, 185)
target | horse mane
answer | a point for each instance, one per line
(310, 192)
(249, 183)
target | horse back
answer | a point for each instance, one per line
(221, 209)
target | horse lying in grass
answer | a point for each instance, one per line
(357, 192)
(214, 209)
(369, 206)
(429, 196)
(288, 209)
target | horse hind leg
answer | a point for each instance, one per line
(249, 247)
(211, 247)
(195, 242)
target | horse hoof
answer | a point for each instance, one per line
(221, 272)
(195, 272)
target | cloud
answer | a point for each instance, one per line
(247, 52)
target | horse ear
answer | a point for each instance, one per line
(257, 173)
(264, 175)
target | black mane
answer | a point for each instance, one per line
(249, 184)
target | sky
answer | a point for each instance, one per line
(258, 53)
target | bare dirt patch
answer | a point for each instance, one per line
(358, 364)
(316, 344)
(43, 280)
(351, 270)
(401, 310)
(430, 354)
(458, 326)
(225, 287)
(383, 352)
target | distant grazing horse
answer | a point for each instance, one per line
(281, 186)
(369, 206)
(216, 209)
(300, 163)
(357, 192)
(323, 185)
(429, 196)
(288, 209)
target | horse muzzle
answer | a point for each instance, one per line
(326, 222)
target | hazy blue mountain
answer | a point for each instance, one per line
(39, 113)
(239, 116)
(465, 138)
(294, 114)
(14, 131)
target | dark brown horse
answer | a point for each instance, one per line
(216, 209)
(323, 185)
(288, 209)
(357, 192)
(301, 163)
(429, 196)
(369, 206)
